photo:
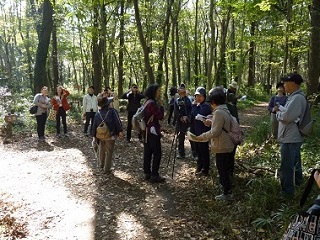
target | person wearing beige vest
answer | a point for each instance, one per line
(221, 143)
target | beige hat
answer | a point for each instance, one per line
(233, 85)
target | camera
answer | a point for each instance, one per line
(181, 107)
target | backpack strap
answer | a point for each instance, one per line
(105, 117)
(229, 119)
(152, 116)
(308, 188)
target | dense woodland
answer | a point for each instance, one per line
(118, 42)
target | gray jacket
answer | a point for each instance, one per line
(43, 103)
(294, 109)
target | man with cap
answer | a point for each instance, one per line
(288, 134)
(199, 109)
(134, 97)
(182, 110)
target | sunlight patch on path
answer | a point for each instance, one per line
(128, 227)
(52, 207)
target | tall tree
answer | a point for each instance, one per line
(96, 51)
(143, 42)
(54, 54)
(314, 66)
(40, 76)
(251, 75)
(121, 48)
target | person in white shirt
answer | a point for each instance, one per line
(90, 107)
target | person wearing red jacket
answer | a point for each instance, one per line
(61, 106)
(154, 112)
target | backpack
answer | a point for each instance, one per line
(305, 124)
(103, 131)
(138, 122)
(235, 132)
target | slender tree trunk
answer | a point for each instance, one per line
(96, 53)
(40, 77)
(121, 49)
(54, 54)
(251, 75)
(314, 66)
(162, 50)
(196, 60)
(173, 51)
(288, 32)
(84, 77)
(221, 77)
(269, 69)
(144, 46)
(103, 46)
(178, 55)
(212, 45)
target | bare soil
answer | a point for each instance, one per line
(54, 190)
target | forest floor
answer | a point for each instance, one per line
(54, 190)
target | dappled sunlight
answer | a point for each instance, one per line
(128, 227)
(123, 175)
(50, 202)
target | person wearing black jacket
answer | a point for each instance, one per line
(182, 111)
(134, 97)
(199, 109)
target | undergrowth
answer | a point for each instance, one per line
(259, 211)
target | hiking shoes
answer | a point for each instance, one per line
(157, 179)
(224, 197)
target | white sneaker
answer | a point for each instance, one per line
(225, 197)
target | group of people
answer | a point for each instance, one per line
(204, 119)
(58, 103)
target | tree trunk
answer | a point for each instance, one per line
(314, 66)
(54, 54)
(144, 46)
(288, 32)
(221, 77)
(251, 74)
(212, 45)
(269, 69)
(121, 49)
(96, 53)
(163, 48)
(178, 55)
(196, 60)
(40, 76)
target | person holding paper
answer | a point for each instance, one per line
(221, 143)
(199, 112)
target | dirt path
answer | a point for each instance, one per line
(53, 190)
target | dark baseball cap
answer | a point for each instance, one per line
(293, 77)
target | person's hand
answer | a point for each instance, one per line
(276, 108)
(207, 122)
(317, 177)
(120, 135)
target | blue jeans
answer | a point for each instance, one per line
(290, 168)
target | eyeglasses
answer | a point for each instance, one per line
(134, 87)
